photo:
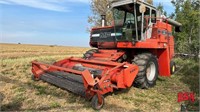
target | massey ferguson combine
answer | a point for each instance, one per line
(133, 51)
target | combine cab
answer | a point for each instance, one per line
(133, 51)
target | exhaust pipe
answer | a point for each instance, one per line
(103, 20)
(173, 22)
(177, 25)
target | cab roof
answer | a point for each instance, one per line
(117, 3)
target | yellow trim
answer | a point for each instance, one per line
(173, 68)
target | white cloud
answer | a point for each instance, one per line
(82, 1)
(4, 2)
(53, 5)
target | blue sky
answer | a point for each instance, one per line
(48, 22)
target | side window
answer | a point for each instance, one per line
(119, 16)
(146, 16)
(153, 16)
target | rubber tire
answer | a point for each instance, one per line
(141, 80)
(172, 63)
(94, 102)
(89, 53)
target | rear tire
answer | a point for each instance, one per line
(148, 70)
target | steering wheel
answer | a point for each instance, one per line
(129, 23)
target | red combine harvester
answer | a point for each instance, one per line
(133, 51)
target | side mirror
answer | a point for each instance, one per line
(178, 29)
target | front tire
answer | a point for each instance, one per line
(95, 102)
(148, 70)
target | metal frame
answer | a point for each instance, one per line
(93, 85)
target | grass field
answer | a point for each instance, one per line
(20, 93)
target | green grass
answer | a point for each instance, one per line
(54, 105)
(189, 75)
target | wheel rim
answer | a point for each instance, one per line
(173, 69)
(99, 105)
(151, 71)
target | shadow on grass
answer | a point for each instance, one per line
(15, 105)
(45, 90)
(47, 108)
(161, 79)
(16, 102)
(12, 106)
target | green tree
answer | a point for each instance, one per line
(150, 1)
(187, 13)
(99, 7)
(161, 9)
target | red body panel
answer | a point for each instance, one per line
(164, 62)
(107, 55)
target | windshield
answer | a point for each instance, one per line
(118, 17)
(124, 20)
(130, 22)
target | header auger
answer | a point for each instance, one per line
(132, 51)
